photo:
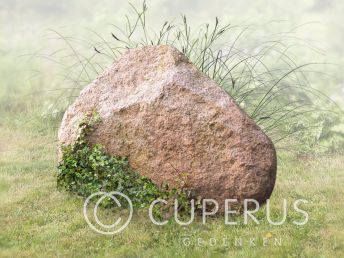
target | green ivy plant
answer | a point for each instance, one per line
(85, 169)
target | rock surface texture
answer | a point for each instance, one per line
(171, 120)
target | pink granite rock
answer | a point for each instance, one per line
(169, 119)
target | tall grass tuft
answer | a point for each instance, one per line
(264, 80)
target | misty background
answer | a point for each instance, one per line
(312, 31)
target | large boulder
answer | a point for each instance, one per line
(170, 120)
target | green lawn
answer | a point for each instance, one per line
(38, 221)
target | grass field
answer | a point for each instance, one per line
(39, 221)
